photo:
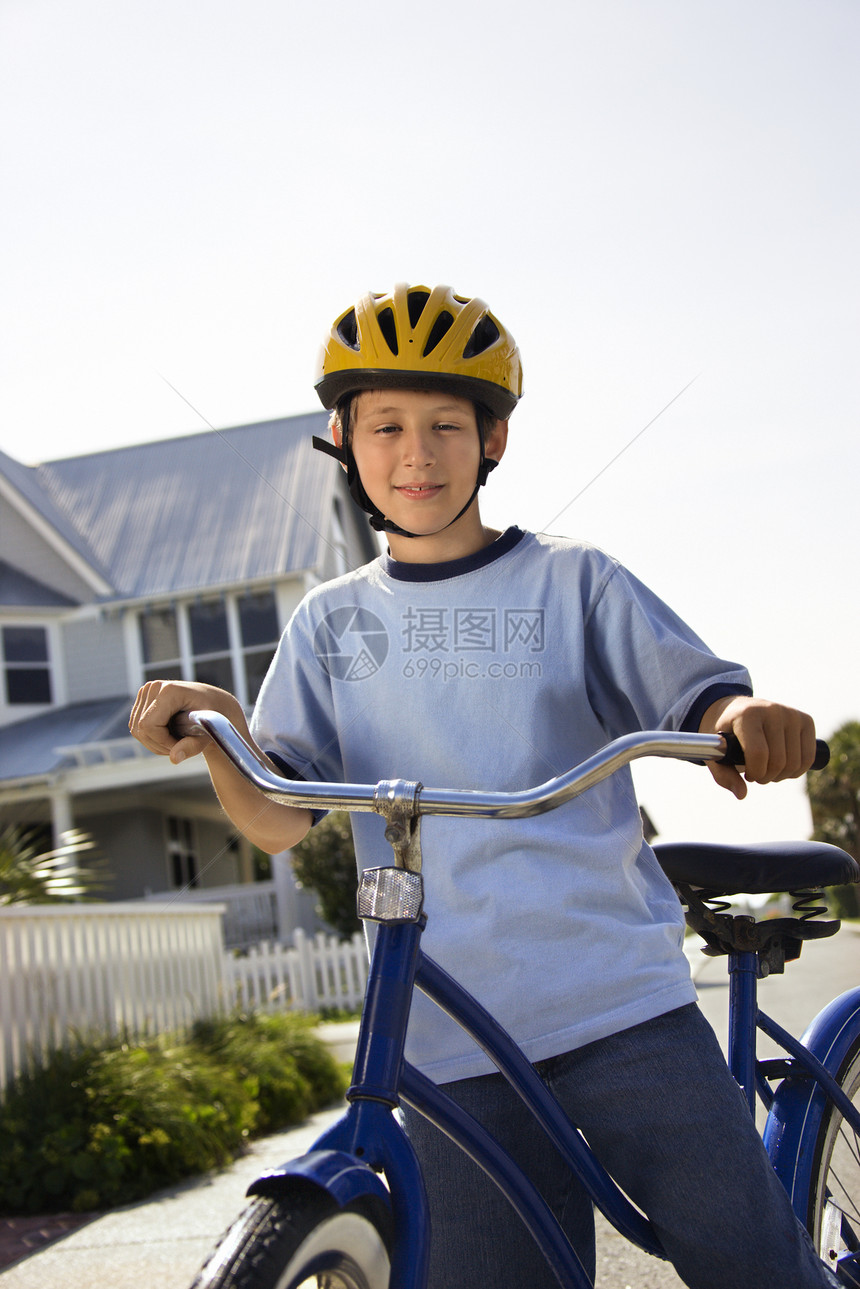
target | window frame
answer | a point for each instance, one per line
(182, 853)
(238, 653)
(11, 709)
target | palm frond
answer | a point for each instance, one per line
(29, 875)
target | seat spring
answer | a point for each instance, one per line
(807, 904)
(714, 903)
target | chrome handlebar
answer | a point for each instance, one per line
(398, 798)
(395, 894)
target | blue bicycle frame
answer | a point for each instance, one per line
(370, 1134)
(367, 1141)
(382, 1079)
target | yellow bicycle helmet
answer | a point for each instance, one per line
(417, 338)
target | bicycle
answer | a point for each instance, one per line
(328, 1218)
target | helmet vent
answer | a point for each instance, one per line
(347, 330)
(420, 337)
(415, 302)
(485, 334)
(440, 328)
(388, 327)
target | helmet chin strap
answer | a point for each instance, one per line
(377, 519)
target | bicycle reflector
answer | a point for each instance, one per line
(390, 895)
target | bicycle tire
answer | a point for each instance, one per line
(306, 1242)
(833, 1217)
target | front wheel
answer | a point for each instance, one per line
(833, 1219)
(306, 1242)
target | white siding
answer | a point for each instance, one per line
(24, 549)
(94, 651)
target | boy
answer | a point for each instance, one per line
(510, 657)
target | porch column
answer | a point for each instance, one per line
(63, 823)
(296, 908)
(62, 820)
(285, 895)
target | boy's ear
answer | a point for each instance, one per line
(337, 435)
(335, 448)
(496, 440)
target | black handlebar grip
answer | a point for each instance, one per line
(734, 752)
(181, 725)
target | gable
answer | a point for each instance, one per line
(38, 540)
(20, 591)
(30, 548)
(212, 509)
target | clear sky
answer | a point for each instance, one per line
(647, 192)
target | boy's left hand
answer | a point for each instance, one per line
(778, 741)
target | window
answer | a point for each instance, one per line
(228, 642)
(181, 853)
(210, 644)
(26, 666)
(258, 625)
(162, 655)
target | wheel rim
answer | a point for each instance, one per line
(345, 1252)
(342, 1274)
(837, 1216)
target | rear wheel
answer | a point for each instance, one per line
(833, 1219)
(307, 1242)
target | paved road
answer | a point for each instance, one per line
(163, 1241)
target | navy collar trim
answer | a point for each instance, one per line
(444, 571)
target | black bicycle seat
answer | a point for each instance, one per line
(758, 869)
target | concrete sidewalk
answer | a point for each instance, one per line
(164, 1240)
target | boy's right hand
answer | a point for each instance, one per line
(157, 703)
(267, 824)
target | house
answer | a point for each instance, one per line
(181, 558)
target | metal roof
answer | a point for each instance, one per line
(217, 509)
(210, 509)
(33, 748)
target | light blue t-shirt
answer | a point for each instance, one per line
(497, 672)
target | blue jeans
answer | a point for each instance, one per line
(662, 1113)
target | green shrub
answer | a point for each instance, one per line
(293, 1072)
(324, 862)
(101, 1126)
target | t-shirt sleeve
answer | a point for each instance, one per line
(293, 719)
(646, 668)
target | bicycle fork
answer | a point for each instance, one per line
(369, 1132)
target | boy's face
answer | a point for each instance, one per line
(418, 453)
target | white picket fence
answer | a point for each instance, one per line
(318, 973)
(140, 969)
